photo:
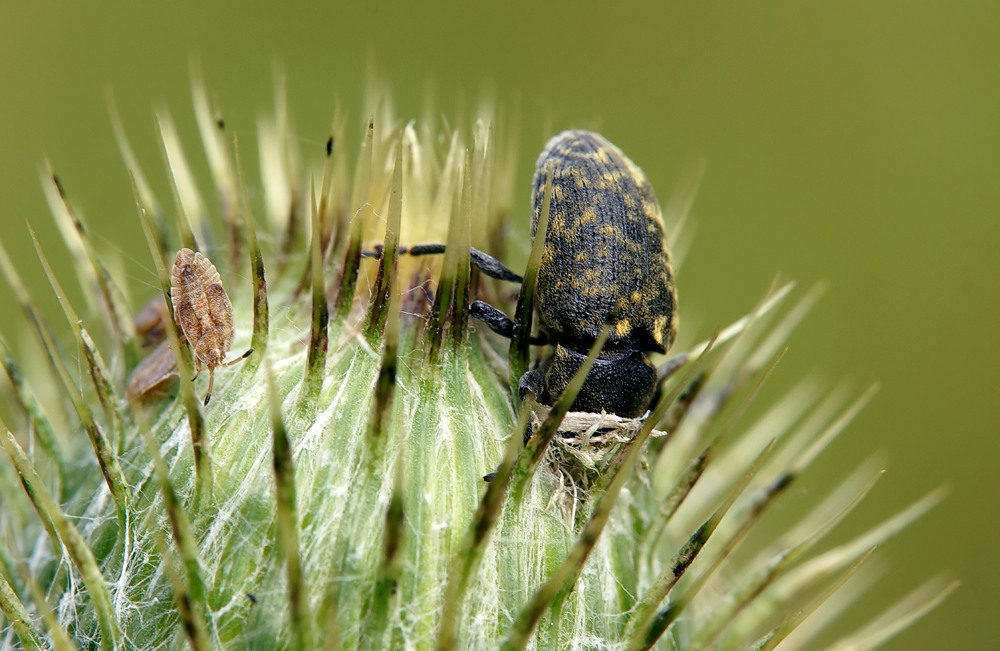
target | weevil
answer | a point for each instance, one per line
(605, 261)
(203, 312)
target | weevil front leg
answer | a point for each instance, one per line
(485, 262)
(500, 323)
(496, 320)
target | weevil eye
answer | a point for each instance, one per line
(620, 382)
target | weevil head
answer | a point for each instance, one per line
(621, 382)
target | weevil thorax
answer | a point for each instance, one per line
(620, 382)
(605, 261)
(201, 306)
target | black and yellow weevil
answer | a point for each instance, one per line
(604, 261)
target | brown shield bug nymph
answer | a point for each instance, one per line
(153, 375)
(203, 312)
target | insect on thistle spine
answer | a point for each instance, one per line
(604, 262)
(203, 312)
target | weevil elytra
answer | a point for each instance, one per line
(203, 312)
(605, 261)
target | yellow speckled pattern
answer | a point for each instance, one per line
(605, 259)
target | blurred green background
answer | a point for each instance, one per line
(852, 142)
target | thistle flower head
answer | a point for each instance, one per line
(331, 493)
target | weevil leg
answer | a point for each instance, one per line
(485, 262)
(492, 267)
(497, 321)
(500, 323)
(197, 368)
(532, 384)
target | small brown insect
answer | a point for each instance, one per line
(149, 322)
(203, 311)
(153, 374)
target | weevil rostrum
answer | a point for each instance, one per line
(203, 312)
